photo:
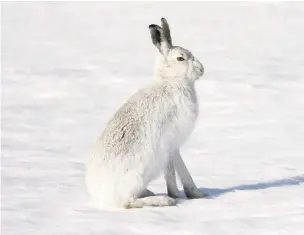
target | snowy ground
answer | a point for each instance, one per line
(68, 66)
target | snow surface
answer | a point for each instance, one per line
(67, 67)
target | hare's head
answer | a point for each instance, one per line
(175, 62)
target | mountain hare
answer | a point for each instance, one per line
(143, 138)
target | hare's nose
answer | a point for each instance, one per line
(199, 66)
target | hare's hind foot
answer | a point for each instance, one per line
(152, 201)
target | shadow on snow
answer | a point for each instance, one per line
(216, 192)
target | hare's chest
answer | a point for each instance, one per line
(187, 116)
(185, 119)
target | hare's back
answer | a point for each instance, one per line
(134, 124)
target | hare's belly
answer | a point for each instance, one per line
(154, 164)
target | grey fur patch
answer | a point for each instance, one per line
(156, 37)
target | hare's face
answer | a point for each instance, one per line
(180, 62)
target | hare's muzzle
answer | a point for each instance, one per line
(199, 68)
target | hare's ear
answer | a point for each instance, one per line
(166, 31)
(156, 37)
(161, 37)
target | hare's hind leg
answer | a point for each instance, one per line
(152, 201)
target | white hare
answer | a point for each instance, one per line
(143, 138)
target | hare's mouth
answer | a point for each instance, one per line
(201, 71)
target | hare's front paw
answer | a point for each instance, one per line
(194, 193)
(174, 194)
(146, 193)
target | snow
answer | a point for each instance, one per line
(67, 67)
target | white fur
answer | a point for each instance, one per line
(137, 142)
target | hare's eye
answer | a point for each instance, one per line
(180, 58)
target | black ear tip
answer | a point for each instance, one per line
(163, 19)
(152, 26)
